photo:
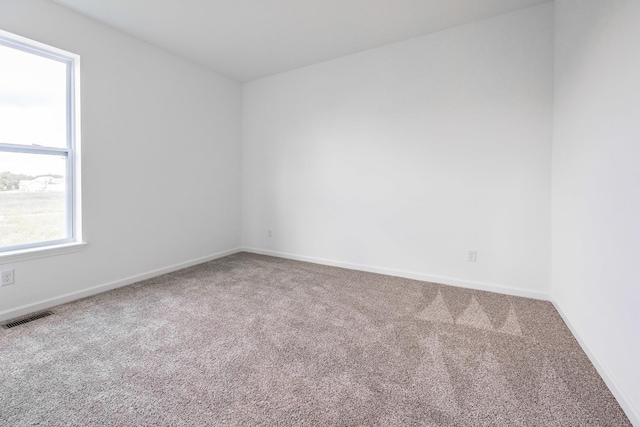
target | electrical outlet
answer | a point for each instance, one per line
(471, 256)
(269, 233)
(7, 277)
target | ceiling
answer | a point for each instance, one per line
(249, 39)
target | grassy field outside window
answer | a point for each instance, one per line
(28, 217)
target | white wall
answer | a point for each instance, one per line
(596, 182)
(161, 158)
(400, 159)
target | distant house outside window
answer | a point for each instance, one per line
(39, 145)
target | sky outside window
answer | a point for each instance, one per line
(33, 99)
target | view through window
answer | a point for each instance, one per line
(37, 145)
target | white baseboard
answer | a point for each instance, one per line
(72, 296)
(625, 403)
(501, 289)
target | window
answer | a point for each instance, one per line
(39, 146)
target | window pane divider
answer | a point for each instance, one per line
(34, 149)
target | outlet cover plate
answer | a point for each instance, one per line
(7, 277)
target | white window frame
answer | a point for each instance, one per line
(74, 241)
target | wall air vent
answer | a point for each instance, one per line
(22, 320)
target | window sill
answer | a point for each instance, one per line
(41, 252)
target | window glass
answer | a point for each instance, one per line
(33, 199)
(33, 99)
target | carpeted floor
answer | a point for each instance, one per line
(255, 340)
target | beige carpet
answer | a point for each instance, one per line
(255, 340)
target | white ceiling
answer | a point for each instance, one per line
(249, 39)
